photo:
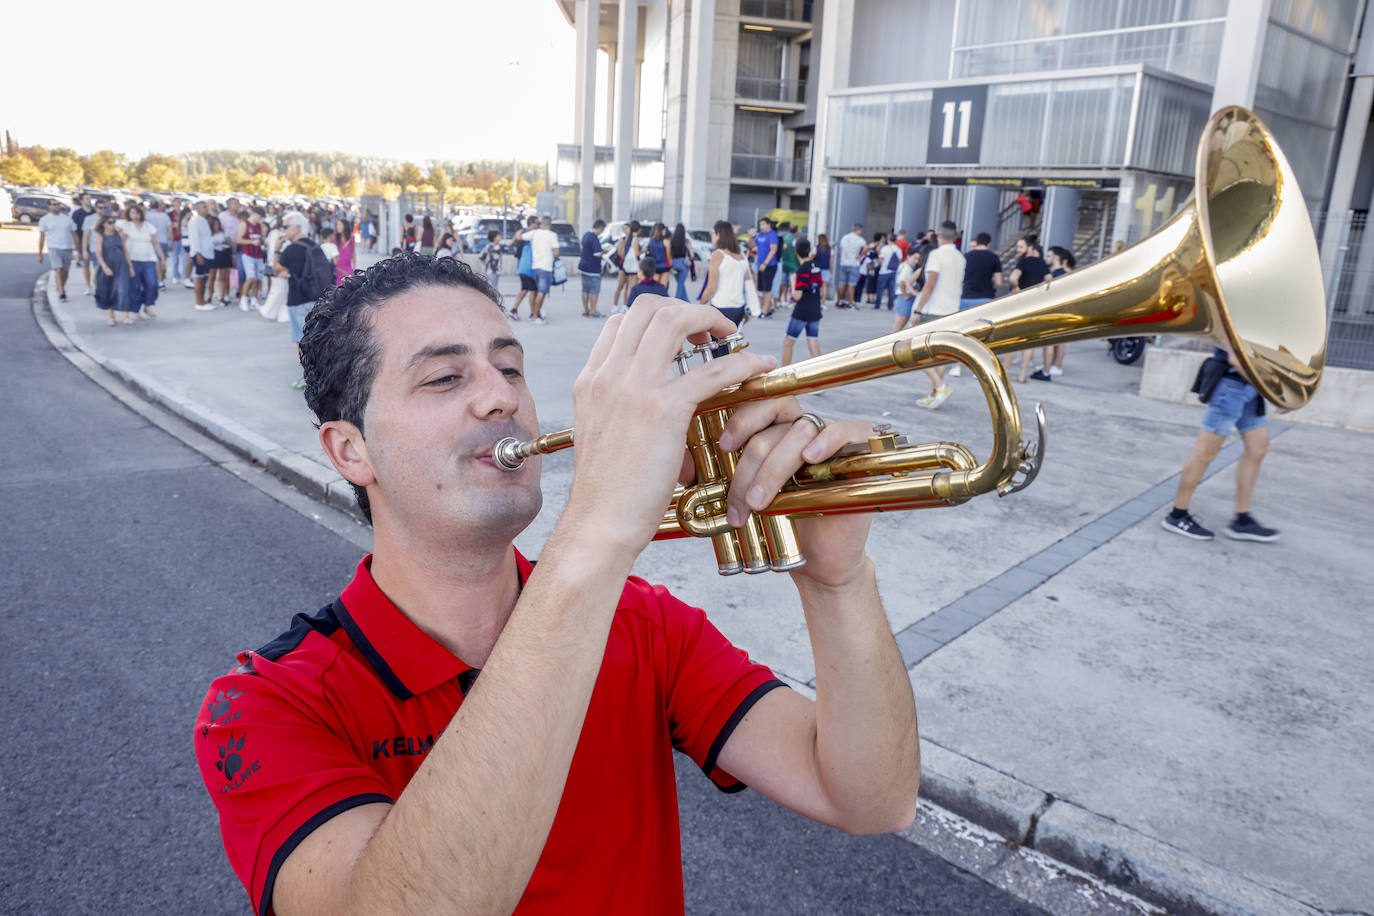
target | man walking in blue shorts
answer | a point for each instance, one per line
(1235, 404)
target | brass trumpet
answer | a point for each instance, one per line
(1237, 265)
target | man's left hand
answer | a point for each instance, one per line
(776, 442)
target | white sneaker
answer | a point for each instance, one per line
(941, 395)
(1055, 370)
(256, 304)
(188, 283)
(925, 401)
(206, 307)
(540, 320)
(955, 371)
(243, 304)
(88, 292)
(162, 286)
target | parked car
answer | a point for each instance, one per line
(6, 207)
(700, 240)
(569, 245)
(30, 208)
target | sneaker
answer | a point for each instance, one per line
(941, 395)
(925, 401)
(1040, 375)
(298, 384)
(243, 304)
(956, 371)
(514, 316)
(1250, 530)
(256, 304)
(162, 286)
(88, 292)
(540, 320)
(188, 283)
(205, 307)
(1186, 526)
(224, 301)
(62, 297)
(1055, 370)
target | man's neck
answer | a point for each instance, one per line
(460, 598)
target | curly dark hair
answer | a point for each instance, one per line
(339, 357)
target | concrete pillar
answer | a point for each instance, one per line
(696, 137)
(588, 25)
(831, 72)
(1059, 217)
(392, 237)
(611, 58)
(980, 212)
(913, 211)
(1338, 205)
(627, 50)
(1242, 46)
(1125, 208)
(851, 206)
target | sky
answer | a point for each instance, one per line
(465, 79)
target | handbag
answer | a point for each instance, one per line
(1209, 374)
(751, 294)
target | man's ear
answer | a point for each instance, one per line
(343, 443)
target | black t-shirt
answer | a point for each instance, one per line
(808, 283)
(293, 257)
(1033, 270)
(980, 266)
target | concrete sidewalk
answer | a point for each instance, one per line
(1190, 720)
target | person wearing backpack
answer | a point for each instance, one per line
(889, 259)
(308, 271)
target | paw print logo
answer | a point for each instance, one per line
(219, 706)
(229, 760)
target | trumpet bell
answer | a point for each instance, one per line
(1261, 249)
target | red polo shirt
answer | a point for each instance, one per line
(343, 708)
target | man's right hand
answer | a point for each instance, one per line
(631, 415)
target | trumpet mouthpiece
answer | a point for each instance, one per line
(510, 453)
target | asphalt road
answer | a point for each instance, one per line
(134, 569)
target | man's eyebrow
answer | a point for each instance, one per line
(456, 349)
(460, 349)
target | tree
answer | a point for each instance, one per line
(20, 170)
(63, 170)
(164, 178)
(264, 184)
(237, 178)
(160, 173)
(105, 169)
(438, 178)
(312, 185)
(346, 180)
(410, 176)
(212, 183)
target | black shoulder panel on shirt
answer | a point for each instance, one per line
(324, 622)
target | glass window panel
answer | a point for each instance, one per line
(908, 125)
(1299, 77)
(1015, 123)
(1331, 21)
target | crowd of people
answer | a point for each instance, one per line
(244, 254)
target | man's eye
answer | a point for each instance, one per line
(441, 381)
(513, 373)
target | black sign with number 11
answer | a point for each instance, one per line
(956, 124)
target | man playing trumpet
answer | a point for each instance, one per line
(361, 759)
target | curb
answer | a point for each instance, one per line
(1016, 811)
(295, 469)
(1123, 857)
